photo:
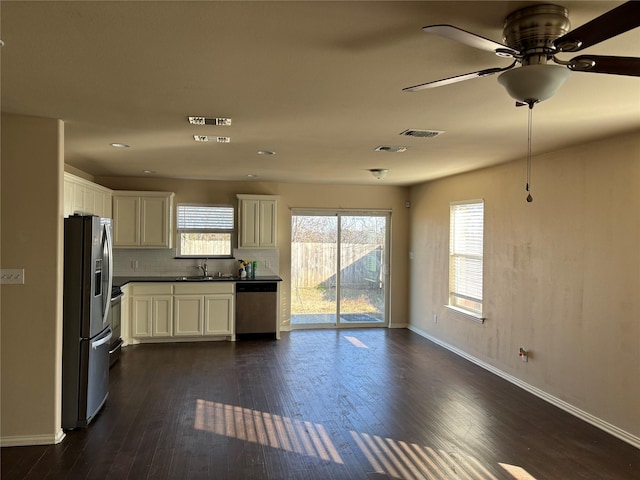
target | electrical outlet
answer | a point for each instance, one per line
(523, 354)
(134, 265)
(12, 276)
(435, 318)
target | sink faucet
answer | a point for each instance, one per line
(204, 268)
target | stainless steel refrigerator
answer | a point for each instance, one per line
(86, 335)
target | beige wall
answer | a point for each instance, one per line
(31, 314)
(299, 196)
(561, 275)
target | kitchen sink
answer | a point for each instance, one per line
(200, 278)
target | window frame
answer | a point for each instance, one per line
(230, 231)
(455, 296)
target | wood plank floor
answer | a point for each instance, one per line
(321, 404)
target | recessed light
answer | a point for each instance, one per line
(221, 121)
(266, 152)
(148, 172)
(120, 145)
(252, 175)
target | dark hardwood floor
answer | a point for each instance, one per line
(323, 404)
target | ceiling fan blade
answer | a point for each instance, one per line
(471, 39)
(604, 64)
(458, 78)
(619, 20)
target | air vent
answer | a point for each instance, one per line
(412, 132)
(210, 121)
(390, 148)
(207, 138)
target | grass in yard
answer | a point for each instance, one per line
(323, 300)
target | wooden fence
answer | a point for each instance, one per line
(314, 264)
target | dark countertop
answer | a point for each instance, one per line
(121, 281)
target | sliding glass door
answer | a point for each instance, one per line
(339, 265)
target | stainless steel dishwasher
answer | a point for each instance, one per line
(256, 310)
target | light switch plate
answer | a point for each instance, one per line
(12, 275)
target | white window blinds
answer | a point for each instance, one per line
(205, 218)
(466, 256)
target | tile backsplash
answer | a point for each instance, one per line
(156, 262)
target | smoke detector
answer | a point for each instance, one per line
(390, 148)
(414, 132)
(379, 173)
(220, 121)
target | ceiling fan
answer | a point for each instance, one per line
(533, 36)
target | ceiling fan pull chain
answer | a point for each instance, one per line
(529, 130)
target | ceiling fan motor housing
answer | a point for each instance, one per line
(532, 30)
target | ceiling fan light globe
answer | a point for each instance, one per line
(534, 83)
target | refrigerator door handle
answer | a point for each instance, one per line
(107, 295)
(102, 341)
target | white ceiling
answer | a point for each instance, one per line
(319, 83)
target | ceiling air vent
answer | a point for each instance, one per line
(413, 132)
(210, 121)
(208, 138)
(390, 148)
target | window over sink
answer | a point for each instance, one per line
(205, 230)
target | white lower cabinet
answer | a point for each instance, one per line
(151, 310)
(181, 311)
(218, 314)
(162, 318)
(141, 314)
(188, 315)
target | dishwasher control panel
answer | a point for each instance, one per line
(253, 287)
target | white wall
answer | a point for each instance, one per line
(561, 274)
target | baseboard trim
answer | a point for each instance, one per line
(567, 407)
(287, 328)
(30, 440)
(399, 325)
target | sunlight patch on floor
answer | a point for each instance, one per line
(356, 342)
(399, 459)
(393, 458)
(264, 428)
(518, 473)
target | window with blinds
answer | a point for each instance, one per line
(465, 256)
(205, 230)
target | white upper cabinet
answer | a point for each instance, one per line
(83, 196)
(258, 221)
(142, 219)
